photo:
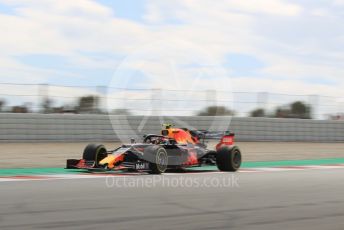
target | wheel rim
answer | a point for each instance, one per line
(100, 155)
(161, 161)
(237, 159)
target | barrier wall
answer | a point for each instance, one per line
(71, 127)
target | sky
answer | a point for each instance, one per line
(280, 46)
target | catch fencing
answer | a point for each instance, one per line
(44, 98)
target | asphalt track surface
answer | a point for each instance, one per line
(310, 199)
(41, 155)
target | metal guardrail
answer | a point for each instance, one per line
(71, 127)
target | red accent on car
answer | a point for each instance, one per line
(227, 140)
(81, 164)
(192, 159)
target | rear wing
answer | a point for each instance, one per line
(212, 135)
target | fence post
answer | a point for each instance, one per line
(262, 100)
(211, 98)
(314, 104)
(101, 92)
(44, 102)
(156, 102)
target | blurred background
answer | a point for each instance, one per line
(271, 71)
(181, 58)
(59, 99)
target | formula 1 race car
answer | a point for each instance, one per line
(173, 149)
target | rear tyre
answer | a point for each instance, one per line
(95, 152)
(228, 159)
(157, 158)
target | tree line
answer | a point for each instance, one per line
(90, 105)
(297, 109)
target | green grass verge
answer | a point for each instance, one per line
(47, 171)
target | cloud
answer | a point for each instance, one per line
(191, 9)
(338, 2)
(83, 8)
(320, 12)
(273, 7)
(295, 41)
(66, 29)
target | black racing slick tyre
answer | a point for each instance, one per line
(95, 152)
(157, 158)
(228, 159)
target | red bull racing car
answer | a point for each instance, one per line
(173, 149)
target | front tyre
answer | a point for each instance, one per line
(228, 159)
(95, 152)
(157, 158)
